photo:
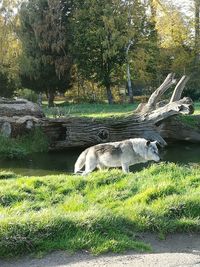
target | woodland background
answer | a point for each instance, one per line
(81, 49)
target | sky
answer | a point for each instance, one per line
(185, 5)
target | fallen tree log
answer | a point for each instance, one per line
(174, 129)
(83, 132)
(18, 116)
(153, 120)
(19, 107)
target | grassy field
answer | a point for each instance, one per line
(94, 110)
(89, 110)
(99, 213)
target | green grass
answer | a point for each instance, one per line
(20, 147)
(89, 110)
(94, 110)
(191, 120)
(99, 213)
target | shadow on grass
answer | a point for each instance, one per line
(97, 234)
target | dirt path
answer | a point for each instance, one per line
(176, 251)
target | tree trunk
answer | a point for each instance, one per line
(197, 29)
(51, 97)
(109, 94)
(130, 89)
(154, 120)
(40, 100)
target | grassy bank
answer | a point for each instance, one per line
(99, 213)
(22, 146)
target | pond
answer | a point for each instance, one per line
(63, 161)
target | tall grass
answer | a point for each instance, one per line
(20, 147)
(101, 212)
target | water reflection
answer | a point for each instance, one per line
(63, 162)
(43, 163)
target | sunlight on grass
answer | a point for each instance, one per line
(89, 110)
(101, 212)
(64, 109)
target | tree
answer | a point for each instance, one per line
(179, 41)
(194, 86)
(144, 52)
(45, 34)
(7, 85)
(9, 49)
(197, 28)
(174, 35)
(101, 34)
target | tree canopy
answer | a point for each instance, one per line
(101, 33)
(52, 44)
(9, 49)
(45, 35)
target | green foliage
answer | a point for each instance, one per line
(27, 94)
(101, 33)
(100, 212)
(7, 175)
(197, 108)
(7, 85)
(9, 49)
(44, 33)
(191, 120)
(177, 43)
(22, 146)
(45, 36)
(192, 89)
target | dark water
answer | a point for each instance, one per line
(63, 162)
(42, 163)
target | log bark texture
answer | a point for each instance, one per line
(18, 116)
(83, 132)
(153, 120)
(19, 107)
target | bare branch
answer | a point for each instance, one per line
(183, 106)
(179, 89)
(155, 97)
